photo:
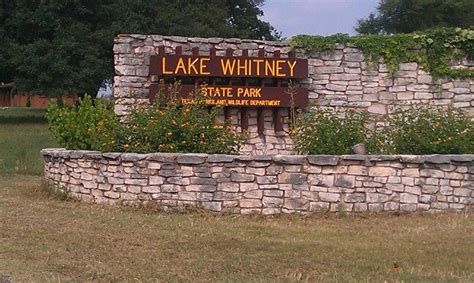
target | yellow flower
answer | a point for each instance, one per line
(169, 134)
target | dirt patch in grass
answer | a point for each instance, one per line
(46, 239)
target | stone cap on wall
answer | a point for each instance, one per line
(199, 158)
(219, 42)
(125, 38)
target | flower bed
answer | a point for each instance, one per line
(265, 184)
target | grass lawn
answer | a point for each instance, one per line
(23, 133)
(44, 238)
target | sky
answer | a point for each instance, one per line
(316, 17)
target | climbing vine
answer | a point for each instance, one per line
(317, 43)
(434, 50)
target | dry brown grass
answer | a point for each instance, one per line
(43, 238)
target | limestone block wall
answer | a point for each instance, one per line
(265, 184)
(338, 80)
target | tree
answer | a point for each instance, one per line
(405, 16)
(56, 47)
(6, 68)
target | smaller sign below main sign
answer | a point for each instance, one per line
(242, 96)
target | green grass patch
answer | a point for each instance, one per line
(23, 133)
(46, 239)
(15, 115)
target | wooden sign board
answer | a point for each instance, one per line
(241, 96)
(177, 65)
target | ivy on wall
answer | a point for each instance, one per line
(433, 50)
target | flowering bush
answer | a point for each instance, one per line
(179, 128)
(165, 126)
(420, 130)
(324, 132)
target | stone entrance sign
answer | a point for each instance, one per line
(255, 92)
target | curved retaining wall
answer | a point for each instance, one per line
(266, 184)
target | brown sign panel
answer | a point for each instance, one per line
(228, 66)
(242, 96)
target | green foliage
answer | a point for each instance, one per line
(394, 49)
(324, 132)
(428, 131)
(203, 18)
(317, 43)
(60, 47)
(405, 16)
(417, 130)
(176, 128)
(6, 68)
(90, 126)
(162, 127)
(433, 50)
(443, 45)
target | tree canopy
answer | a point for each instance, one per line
(405, 16)
(56, 47)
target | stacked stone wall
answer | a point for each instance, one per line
(338, 80)
(265, 184)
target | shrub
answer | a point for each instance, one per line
(420, 130)
(417, 130)
(323, 132)
(162, 127)
(90, 126)
(172, 127)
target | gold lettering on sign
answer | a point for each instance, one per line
(254, 67)
(180, 66)
(253, 92)
(217, 91)
(241, 67)
(270, 69)
(191, 66)
(292, 67)
(279, 68)
(227, 68)
(163, 64)
(257, 62)
(204, 66)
